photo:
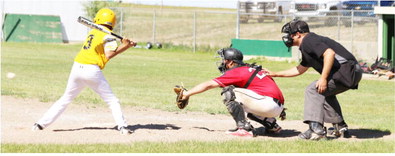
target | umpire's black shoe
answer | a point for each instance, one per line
(340, 130)
(315, 132)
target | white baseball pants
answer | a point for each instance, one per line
(256, 104)
(83, 75)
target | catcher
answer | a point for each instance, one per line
(247, 93)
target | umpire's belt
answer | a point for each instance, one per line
(277, 101)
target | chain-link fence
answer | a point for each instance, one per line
(209, 30)
(197, 29)
(356, 33)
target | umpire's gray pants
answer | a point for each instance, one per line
(323, 107)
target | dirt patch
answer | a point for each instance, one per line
(82, 125)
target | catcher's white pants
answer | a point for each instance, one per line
(259, 105)
(83, 75)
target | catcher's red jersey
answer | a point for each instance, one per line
(262, 84)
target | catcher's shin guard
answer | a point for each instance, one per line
(234, 107)
(228, 94)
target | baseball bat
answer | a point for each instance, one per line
(93, 25)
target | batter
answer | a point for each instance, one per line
(86, 71)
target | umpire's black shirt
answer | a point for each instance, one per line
(313, 47)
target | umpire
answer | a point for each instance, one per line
(339, 72)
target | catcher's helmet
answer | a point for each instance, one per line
(105, 16)
(232, 54)
(229, 54)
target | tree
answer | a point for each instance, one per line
(92, 7)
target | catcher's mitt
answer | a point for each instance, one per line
(179, 91)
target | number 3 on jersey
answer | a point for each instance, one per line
(260, 76)
(88, 42)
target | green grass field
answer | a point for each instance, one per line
(145, 78)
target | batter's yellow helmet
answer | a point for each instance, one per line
(105, 16)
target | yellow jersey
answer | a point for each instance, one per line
(92, 52)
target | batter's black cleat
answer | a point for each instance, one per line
(315, 132)
(37, 127)
(339, 130)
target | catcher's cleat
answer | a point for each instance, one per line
(247, 127)
(125, 131)
(241, 132)
(274, 129)
(37, 127)
(270, 127)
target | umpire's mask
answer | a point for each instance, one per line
(287, 38)
(293, 27)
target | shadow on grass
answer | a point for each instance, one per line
(131, 127)
(368, 133)
(355, 133)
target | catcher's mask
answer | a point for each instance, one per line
(291, 28)
(229, 54)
